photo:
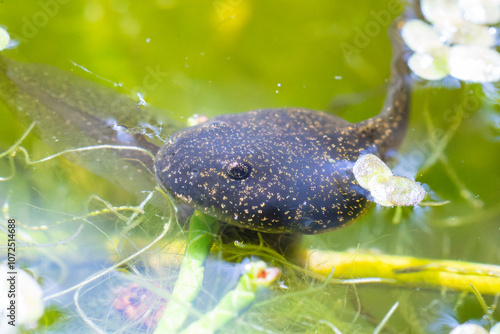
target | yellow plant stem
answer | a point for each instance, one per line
(405, 270)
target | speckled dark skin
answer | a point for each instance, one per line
(281, 170)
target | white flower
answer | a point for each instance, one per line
(420, 36)
(495, 329)
(474, 63)
(456, 44)
(385, 188)
(468, 329)
(4, 39)
(464, 32)
(441, 10)
(480, 11)
(455, 11)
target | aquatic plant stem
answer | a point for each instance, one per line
(386, 318)
(406, 270)
(257, 275)
(200, 239)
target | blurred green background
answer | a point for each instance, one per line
(228, 56)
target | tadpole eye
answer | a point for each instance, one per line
(238, 170)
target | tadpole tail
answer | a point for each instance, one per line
(73, 112)
(388, 128)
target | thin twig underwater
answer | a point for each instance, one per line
(158, 271)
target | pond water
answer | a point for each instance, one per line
(78, 215)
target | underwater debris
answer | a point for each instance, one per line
(134, 302)
(196, 119)
(386, 189)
